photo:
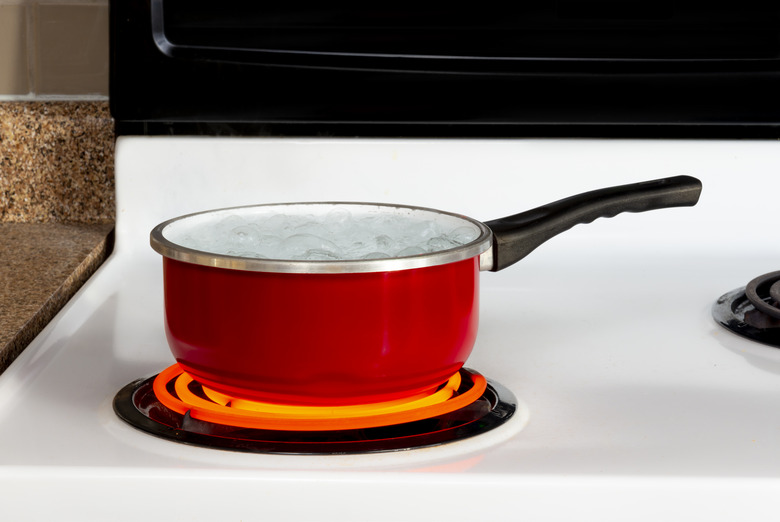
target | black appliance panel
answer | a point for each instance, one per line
(565, 66)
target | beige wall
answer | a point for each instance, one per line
(53, 49)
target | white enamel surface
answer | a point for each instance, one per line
(635, 405)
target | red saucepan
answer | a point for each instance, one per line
(354, 331)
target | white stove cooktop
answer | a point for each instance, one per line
(633, 402)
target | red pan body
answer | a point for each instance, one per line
(345, 338)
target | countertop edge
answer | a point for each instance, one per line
(58, 298)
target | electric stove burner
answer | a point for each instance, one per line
(753, 311)
(173, 406)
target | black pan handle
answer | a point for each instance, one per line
(514, 237)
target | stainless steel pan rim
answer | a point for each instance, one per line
(481, 246)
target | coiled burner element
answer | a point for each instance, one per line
(173, 406)
(764, 293)
(753, 311)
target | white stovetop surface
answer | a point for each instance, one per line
(634, 403)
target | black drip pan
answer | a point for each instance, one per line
(137, 404)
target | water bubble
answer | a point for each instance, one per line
(410, 251)
(297, 245)
(463, 235)
(439, 243)
(384, 242)
(376, 255)
(316, 254)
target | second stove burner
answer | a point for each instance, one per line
(764, 293)
(753, 311)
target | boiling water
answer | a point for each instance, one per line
(322, 232)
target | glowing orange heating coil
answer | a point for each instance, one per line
(221, 409)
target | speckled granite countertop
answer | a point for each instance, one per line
(56, 162)
(56, 210)
(43, 265)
